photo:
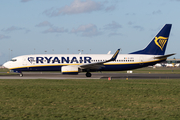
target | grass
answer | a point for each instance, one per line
(4, 70)
(89, 99)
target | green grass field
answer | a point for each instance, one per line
(89, 99)
(4, 70)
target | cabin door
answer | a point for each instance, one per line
(141, 60)
(24, 61)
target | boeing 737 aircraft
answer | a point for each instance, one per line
(75, 63)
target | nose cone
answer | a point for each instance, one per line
(6, 65)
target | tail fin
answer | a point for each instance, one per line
(158, 45)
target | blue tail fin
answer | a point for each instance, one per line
(158, 45)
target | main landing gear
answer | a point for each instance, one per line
(88, 74)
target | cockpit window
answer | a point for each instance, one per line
(14, 60)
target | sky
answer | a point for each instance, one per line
(86, 26)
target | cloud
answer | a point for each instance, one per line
(25, 1)
(55, 30)
(76, 7)
(3, 37)
(130, 23)
(88, 30)
(130, 14)
(157, 12)
(51, 29)
(138, 28)
(110, 8)
(14, 28)
(115, 34)
(112, 26)
(44, 24)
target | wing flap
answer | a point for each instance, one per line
(92, 66)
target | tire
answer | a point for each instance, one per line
(21, 75)
(88, 74)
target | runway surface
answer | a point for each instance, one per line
(49, 75)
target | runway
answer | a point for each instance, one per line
(51, 75)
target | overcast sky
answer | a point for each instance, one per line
(91, 26)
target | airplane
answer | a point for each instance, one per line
(76, 63)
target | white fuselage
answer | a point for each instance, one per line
(48, 62)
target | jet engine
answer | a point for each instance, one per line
(73, 69)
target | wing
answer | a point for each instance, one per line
(98, 65)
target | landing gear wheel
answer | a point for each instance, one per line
(88, 74)
(21, 75)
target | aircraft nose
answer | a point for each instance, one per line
(6, 65)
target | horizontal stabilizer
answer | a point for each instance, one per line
(164, 56)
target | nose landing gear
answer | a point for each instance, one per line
(20, 74)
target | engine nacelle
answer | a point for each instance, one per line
(73, 69)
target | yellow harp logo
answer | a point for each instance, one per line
(160, 41)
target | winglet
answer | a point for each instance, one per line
(114, 56)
